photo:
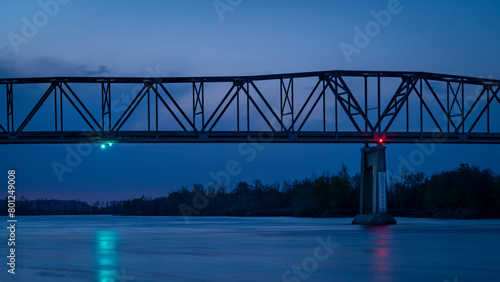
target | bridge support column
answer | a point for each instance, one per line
(373, 203)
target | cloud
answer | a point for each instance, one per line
(6, 70)
(101, 70)
(45, 67)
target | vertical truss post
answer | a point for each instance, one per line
(281, 99)
(455, 101)
(291, 103)
(421, 109)
(10, 109)
(57, 85)
(407, 107)
(149, 106)
(379, 122)
(463, 106)
(366, 102)
(324, 105)
(238, 110)
(248, 107)
(156, 108)
(61, 107)
(55, 106)
(286, 100)
(487, 111)
(448, 105)
(106, 103)
(292, 108)
(336, 107)
(198, 102)
(348, 104)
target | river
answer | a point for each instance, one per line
(118, 248)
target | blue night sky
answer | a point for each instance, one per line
(193, 38)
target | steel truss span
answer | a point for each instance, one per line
(313, 107)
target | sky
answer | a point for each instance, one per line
(232, 37)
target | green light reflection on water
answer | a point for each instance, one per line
(106, 255)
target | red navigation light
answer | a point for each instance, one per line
(381, 140)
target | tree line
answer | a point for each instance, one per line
(465, 192)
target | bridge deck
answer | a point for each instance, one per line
(42, 137)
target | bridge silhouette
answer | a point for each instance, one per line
(314, 107)
(328, 106)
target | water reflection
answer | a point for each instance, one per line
(382, 258)
(106, 255)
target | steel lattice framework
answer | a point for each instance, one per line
(426, 104)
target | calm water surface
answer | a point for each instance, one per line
(116, 248)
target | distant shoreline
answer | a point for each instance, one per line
(464, 193)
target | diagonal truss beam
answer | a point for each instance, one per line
(36, 108)
(133, 105)
(449, 120)
(217, 110)
(158, 96)
(304, 105)
(267, 105)
(490, 99)
(191, 124)
(352, 103)
(80, 107)
(398, 100)
(424, 104)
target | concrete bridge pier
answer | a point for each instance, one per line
(373, 188)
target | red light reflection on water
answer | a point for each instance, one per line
(382, 259)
